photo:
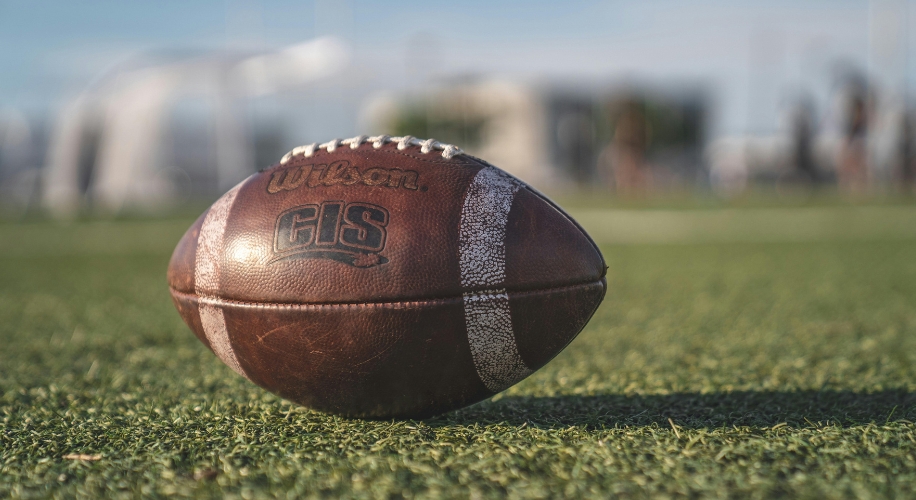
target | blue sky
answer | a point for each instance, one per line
(751, 54)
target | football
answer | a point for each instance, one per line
(385, 277)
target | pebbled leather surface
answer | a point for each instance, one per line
(371, 322)
(543, 249)
(181, 267)
(387, 360)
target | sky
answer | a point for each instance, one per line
(754, 57)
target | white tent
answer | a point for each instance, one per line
(105, 144)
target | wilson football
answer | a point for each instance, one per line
(385, 277)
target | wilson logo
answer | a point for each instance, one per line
(342, 173)
(351, 233)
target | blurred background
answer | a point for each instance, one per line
(746, 167)
(113, 107)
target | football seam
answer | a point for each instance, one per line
(379, 304)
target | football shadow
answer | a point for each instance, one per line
(692, 410)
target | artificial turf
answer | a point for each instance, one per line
(727, 369)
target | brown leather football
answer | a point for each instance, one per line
(385, 277)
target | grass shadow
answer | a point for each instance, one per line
(693, 410)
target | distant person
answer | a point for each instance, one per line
(853, 161)
(803, 130)
(626, 154)
(907, 154)
(576, 141)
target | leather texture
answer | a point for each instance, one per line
(339, 283)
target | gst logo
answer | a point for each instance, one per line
(352, 233)
(340, 172)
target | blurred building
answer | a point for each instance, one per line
(555, 136)
(175, 127)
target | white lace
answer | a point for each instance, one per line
(426, 146)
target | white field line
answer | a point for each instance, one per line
(90, 238)
(748, 225)
(605, 226)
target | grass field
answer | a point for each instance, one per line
(744, 353)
